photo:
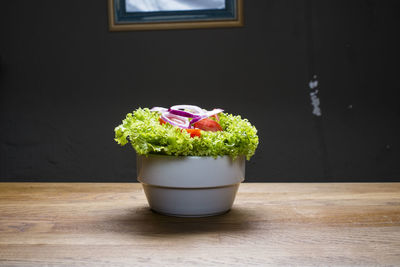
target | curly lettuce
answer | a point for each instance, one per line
(144, 132)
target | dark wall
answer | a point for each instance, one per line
(66, 82)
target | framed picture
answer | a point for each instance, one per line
(132, 15)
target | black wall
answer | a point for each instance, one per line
(66, 82)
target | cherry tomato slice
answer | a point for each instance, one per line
(208, 125)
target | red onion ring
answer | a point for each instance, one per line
(189, 111)
(182, 113)
(179, 115)
(206, 115)
(175, 120)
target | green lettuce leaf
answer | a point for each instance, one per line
(147, 136)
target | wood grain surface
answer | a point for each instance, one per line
(290, 224)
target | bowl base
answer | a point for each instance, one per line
(190, 202)
(190, 216)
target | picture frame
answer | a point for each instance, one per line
(123, 19)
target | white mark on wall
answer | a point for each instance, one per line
(315, 102)
(313, 84)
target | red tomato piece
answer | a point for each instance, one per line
(162, 121)
(208, 125)
(194, 132)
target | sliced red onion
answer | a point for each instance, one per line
(215, 111)
(182, 113)
(189, 111)
(206, 115)
(160, 109)
(179, 115)
(175, 120)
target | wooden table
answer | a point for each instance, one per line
(89, 224)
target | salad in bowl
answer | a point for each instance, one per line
(190, 161)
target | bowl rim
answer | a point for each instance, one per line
(190, 171)
(181, 156)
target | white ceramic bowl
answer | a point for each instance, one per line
(190, 186)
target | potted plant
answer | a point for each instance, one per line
(190, 161)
